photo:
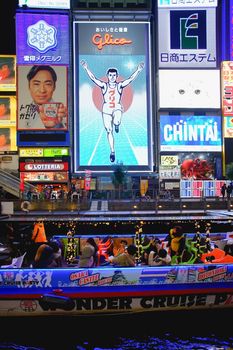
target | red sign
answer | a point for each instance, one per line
(45, 176)
(61, 166)
(87, 180)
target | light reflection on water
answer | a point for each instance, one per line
(188, 330)
(131, 344)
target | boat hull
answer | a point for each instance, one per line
(72, 291)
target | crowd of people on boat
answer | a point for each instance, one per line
(174, 248)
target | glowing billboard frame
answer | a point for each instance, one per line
(187, 88)
(193, 133)
(42, 38)
(7, 110)
(186, 38)
(7, 72)
(186, 3)
(227, 88)
(29, 118)
(55, 4)
(100, 46)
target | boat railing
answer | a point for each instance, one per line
(84, 203)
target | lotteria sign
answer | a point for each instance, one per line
(55, 166)
(190, 133)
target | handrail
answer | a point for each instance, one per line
(11, 183)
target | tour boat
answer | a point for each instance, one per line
(115, 290)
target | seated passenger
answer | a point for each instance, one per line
(125, 259)
(120, 249)
(48, 255)
(105, 249)
(176, 241)
(161, 259)
(88, 256)
(154, 245)
(228, 249)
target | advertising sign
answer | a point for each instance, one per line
(230, 24)
(87, 182)
(42, 97)
(112, 97)
(43, 152)
(186, 88)
(187, 3)
(8, 139)
(45, 176)
(49, 4)
(198, 166)
(227, 88)
(190, 133)
(7, 73)
(42, 139)
(187, 38)
(7, 110)
(42, 38)
(55, 166)
(56, 152)
(169, 161)
(228, 126)
(169, 172)
(31, 152)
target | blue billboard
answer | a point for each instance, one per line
(42, 38)
(185, 133)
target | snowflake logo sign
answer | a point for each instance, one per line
(42, 36)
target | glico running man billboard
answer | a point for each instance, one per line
(112, 97)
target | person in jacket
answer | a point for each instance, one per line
(38, 238)
(88, 255)
(125, 259)
(176, 241)
(160, 259)
(48, 255)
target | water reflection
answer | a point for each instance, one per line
(196, 330)
(196, 343)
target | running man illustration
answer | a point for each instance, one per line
(112, 92)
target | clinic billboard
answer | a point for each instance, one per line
(187, 38)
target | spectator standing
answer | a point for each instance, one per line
(229, 191)
(2, 192)
(223, 190)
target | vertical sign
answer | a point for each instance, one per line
(227, 97)
(87, 180)
(231, 27)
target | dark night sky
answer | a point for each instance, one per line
(7, 26)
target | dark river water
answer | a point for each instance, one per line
(207, 329)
